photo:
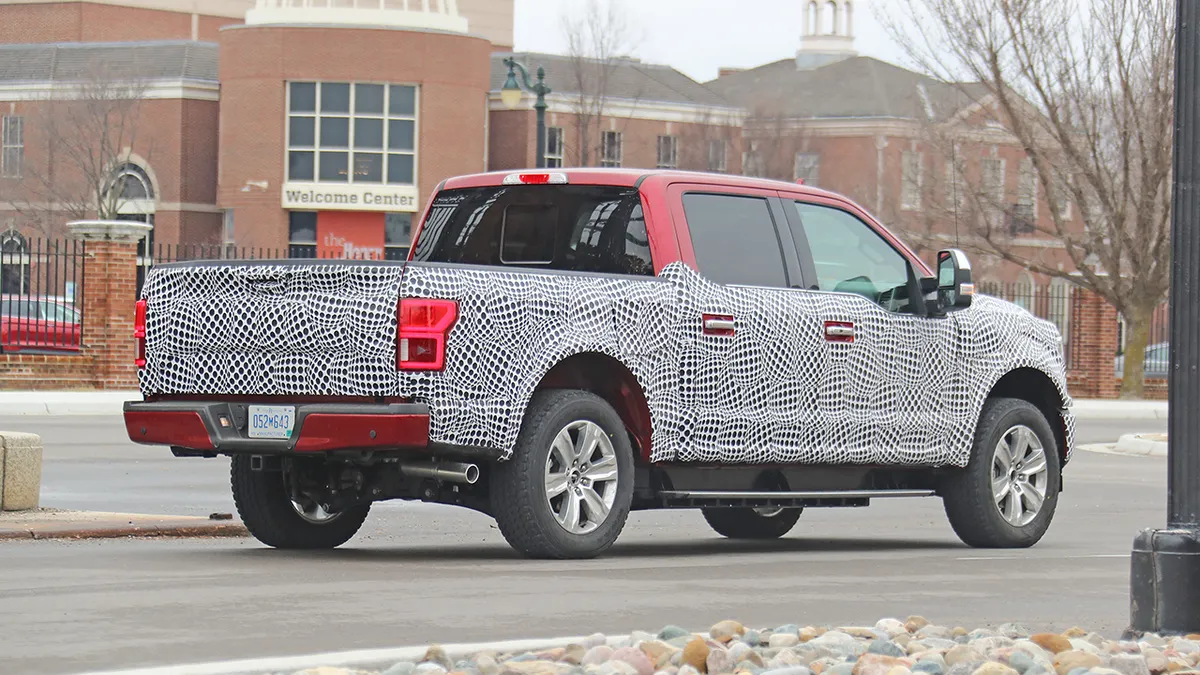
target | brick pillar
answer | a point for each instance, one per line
(1093, 349)
(109, 288)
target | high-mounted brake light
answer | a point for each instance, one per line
(422, 326)
(139, 332)
(535, 179)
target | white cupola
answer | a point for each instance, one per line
(419, 14)
(827, 33)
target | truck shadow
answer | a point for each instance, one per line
(499, 551)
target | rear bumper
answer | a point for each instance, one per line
(220, 427)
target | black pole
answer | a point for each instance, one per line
(1165, 568)
(541, 90)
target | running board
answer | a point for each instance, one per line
(703, 498)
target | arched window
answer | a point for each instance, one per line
(1060, 305)
(812, 21)
(133, 183)
(849, 22)
(14, 262)
(1023, 292)
(831, 17)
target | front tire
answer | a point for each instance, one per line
(1007, 494)
(750, 523)
(567, 489)
(265, 505)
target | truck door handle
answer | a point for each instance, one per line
(718, 324)
(839, 331)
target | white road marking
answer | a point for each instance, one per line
(1048, 557)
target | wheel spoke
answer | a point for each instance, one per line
(569, 515)
(1012, 505)
(1004, 455)
(597, 510)
(1000, 487)
(602, 469)
(556, 484)
(1034, 498)
(565, 447)
(1024, 440)
(589, 438)
(1035, 463)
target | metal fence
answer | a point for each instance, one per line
(1157, 361)
(41, 295)
(1051, 302)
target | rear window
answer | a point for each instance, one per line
(576, 228)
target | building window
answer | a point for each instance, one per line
(808, 168)
(610, 148)
(752, 162)
(992, 193)
(302, 234)
(1062, 197)
(340, 132)
(12, 146)
(717, 156)
(911, 177)
(554, 147)
(1024, 216)
(668, 152)
(956, 186)
(397, 236)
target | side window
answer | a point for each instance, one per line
(850, 256)
(734, 239)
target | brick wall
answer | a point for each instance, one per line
(1093, 346)
(75, 21)
(106, 358)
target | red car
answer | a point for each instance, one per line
(38, 323)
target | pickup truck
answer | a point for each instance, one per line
(563, 347)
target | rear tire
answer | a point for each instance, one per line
(266, 507)
(1007, 494)
(567, 489)
(749, 523)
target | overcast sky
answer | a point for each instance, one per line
(700, 36)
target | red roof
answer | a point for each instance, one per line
(630, 177)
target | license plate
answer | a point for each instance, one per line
(272, 421)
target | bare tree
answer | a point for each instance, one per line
(597, 41)
(1086, 89)
(86, 131)
(709, 141)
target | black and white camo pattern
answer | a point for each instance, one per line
(907, 391)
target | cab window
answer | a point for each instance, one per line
(851, 257)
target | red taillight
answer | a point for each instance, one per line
(535, 179)
(139, 332)
(422, 327)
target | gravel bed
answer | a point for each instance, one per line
(890, 647)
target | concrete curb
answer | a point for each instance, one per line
(1124, 410)
(1152, 445)
(363, 658)
(135, 531)
(65, 402)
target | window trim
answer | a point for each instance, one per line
(723, 166)
(605, 160)
(560, 156)
(671, 143)
(675, 191)
(386, 116)
(7, 122)
(884, 235)
(814, 168)
(907, 183)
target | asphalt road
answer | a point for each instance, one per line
(420, 573)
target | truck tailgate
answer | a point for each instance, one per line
(272, 328)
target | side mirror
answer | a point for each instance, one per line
(955, 287)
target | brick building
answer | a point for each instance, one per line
(258, 127)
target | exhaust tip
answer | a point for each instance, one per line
(471, 473)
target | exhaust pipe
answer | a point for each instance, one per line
(452, 472)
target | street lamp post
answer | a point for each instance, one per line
(1164, 592)
(510, 94)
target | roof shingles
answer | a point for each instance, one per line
(80, 62)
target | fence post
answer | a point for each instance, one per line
(109, 287)
(1093, 347)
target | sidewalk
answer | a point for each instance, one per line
(109, 403)
(56, 524)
